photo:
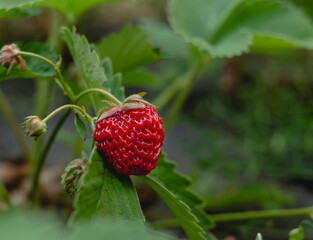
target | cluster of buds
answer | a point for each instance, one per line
(35, 127)
(72, 175)
(9, 57)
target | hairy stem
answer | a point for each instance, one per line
(8, 114)
(190, 78)
(106, 93)
(81, 111)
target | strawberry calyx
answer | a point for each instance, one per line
(134, 101)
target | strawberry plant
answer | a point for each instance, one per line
(124, 135)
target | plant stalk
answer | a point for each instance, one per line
(8, 114)
(169, 93)
(191, 76)
(106, 93)
(241, 216)
(82, 112)
(226, 217)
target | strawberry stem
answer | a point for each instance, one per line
(104, 92)
(81, 111)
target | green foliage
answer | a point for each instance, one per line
(226, 28)
(19, 12)
(72, 9)
(88, 63)
(114, 83)
(80, 126)
(306, 6)
(103, 194)
(43, 226)
(35, 67)
(169, 42)
(140, 78)
(128, 49)
(10, 4)
(173, 189)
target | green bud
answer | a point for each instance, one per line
(35, 127)
(73, 172)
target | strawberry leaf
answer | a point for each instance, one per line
(72, 9)
(10, 4)
(140, 77)
(225, 28)
(173, 189)
(128, 49)
(114, 83)
(103, 194)
(172, 44)
(80, 126)
(88, 62)
(19, 12)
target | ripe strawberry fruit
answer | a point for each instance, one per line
(130, 138)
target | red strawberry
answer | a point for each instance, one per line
(130, 138)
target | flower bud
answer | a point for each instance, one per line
(35, 127)
(9, 57)
(72, 175)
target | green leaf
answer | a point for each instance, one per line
(88, 63)
(269, 45)
(173, 189)
(30, 226)
(17, 12)
(140, 78)
(72, 9)
(306, 6)
(162, 36)
(10, 4)
(225, 28)
(128, 49)
(80, 126)
(35, 66)
(114, 83)
(103, 194)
